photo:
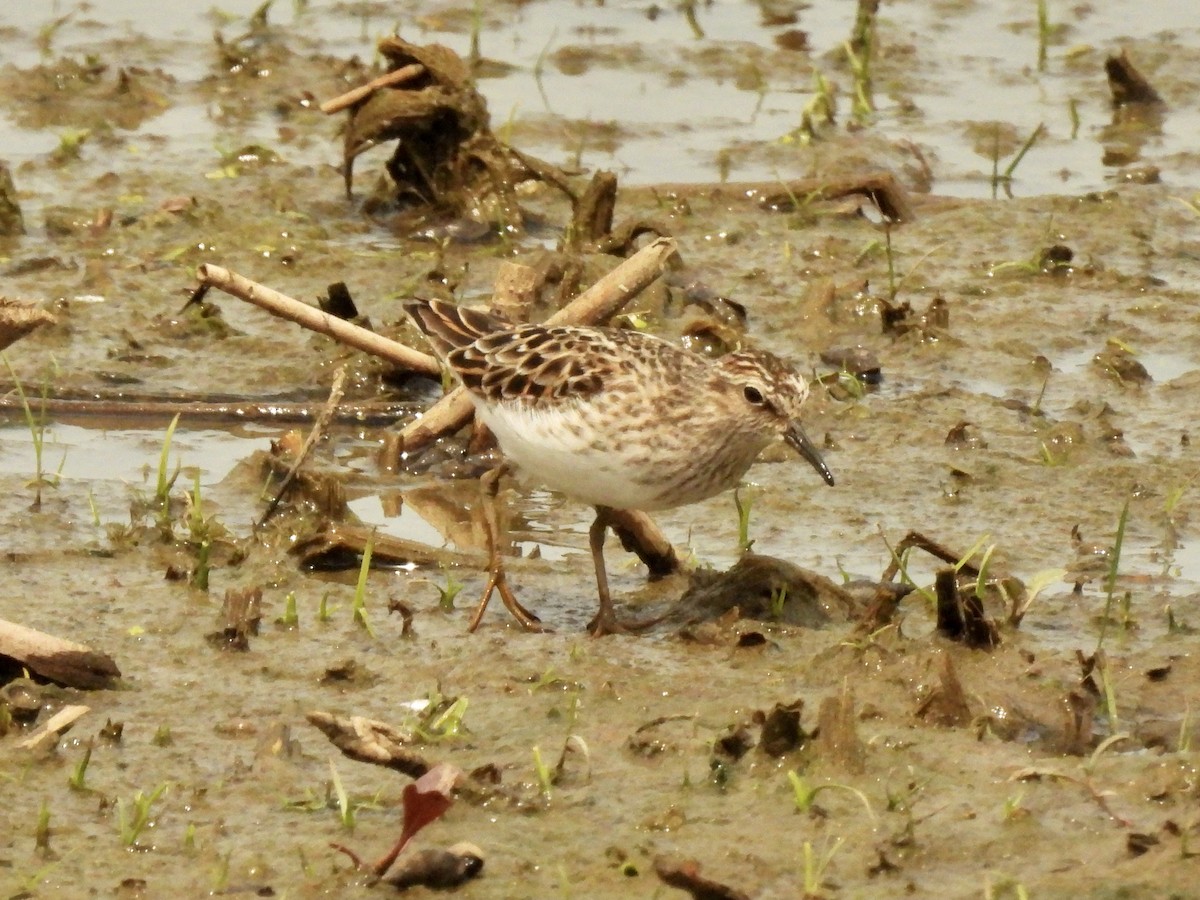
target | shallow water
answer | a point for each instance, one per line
(952, 813)
(685, 106)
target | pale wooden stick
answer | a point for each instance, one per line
(599, 302)
(391, 79)
(54, 726)
(445, 417)
(609, 295)
(315, 320)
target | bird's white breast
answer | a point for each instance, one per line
(560, 449)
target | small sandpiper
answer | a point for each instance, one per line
(617, 419)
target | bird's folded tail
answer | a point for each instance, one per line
(448, 326)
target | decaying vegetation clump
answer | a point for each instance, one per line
(446, 160)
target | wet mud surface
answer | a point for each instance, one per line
(1040, 382)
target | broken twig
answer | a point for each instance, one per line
(599, 302)
(336, 391)
(315, 320)
(391, 79)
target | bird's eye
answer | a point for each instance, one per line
(753, 395)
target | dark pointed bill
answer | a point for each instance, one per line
(798, 441)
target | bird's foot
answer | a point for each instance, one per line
(606, 622)
(498, 582)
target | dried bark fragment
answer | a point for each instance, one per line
(446, 156)
(61, 661)
(18, 319)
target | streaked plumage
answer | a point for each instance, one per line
(618, 419)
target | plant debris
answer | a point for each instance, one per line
(685, 875)
(1127, 83)
(446, 159)
(18, 319)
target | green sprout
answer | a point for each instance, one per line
(1109, 690)
(444, 723)
(1038, 582)
(1176, 494)
(846, 576)
(688, 7)
(474, 55)
(1012, 807)
(1049, 457)
(47, 33)
(539, 66)
(70, 145)
(851, 384)
(360, 589)
(79, 773)
(818, 111)
(306, 867)
(36, 423)
(778, 601)
(890, 255)
(547, 679)
(859, 50)
(545, 778)
(981, 580)
(346, 809)
(42, 829)
(1036, 408)
(449, 591)
(1006, 177)
(860, 66)
(805, 793)
(814, 868)
(164, 483)
(743, 507)
(200, 536)
(134, 815)
(1110, 579)
(1004, 887)
(92, 507)
(1174, 626)
(1073, 112)
(901, 560)
(290, 618)
(220, 874)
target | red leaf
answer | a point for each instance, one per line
(425, 800)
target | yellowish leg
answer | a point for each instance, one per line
(497, 579)
(606, 621)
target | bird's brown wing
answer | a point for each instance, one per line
(531, 363)
(449, 327)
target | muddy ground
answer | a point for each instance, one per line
(1043, 381)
